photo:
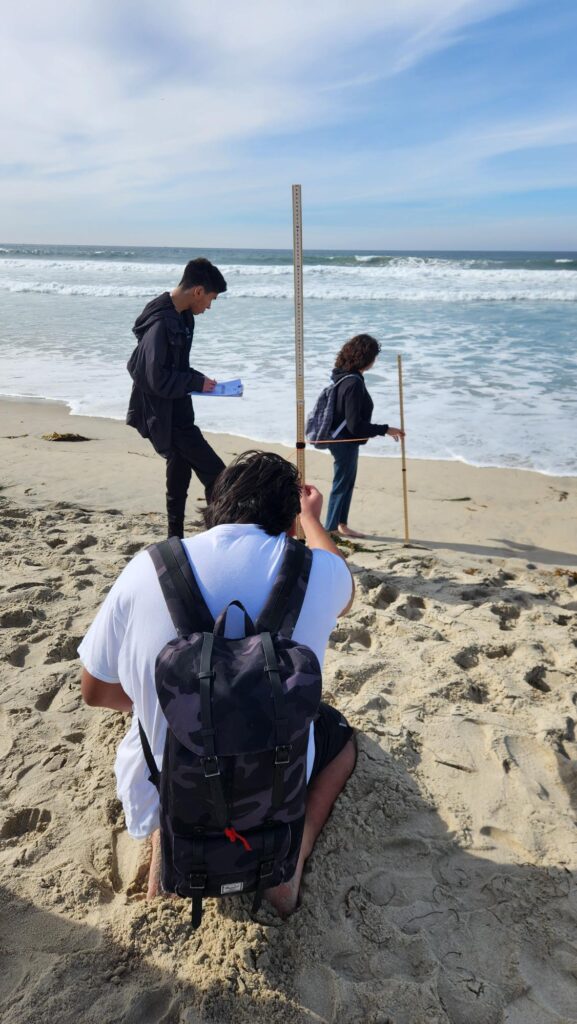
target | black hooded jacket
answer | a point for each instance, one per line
(161, 374)
(354, 406)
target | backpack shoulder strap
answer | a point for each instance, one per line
(187, 607)
(284, 603)
(154, 776)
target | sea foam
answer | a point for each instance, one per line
(408, 279)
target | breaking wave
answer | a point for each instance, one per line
(408, 279)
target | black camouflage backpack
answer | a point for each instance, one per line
(233, 780)
(318, 429)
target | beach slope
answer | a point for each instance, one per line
(442, 890)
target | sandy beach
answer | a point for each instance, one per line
(443, 889)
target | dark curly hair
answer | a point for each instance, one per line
(358, 353)
(258, 487)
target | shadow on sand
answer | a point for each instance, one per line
(399, 925)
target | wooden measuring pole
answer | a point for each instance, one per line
(299, 337)
(403, 458)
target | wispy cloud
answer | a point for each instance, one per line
(134, 110)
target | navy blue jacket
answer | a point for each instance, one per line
(354, 405)
(161, 374)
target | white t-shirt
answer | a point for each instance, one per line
(233, 561)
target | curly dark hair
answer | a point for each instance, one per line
(257, 487)
(358, 353)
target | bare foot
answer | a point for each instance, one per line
(155, 865)
(285, 898)
(322, 793)
(345, 531)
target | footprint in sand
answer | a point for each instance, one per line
(352, 679)
(30, 585)
(65, 649)
(133, 548)
(55, 542)
(373, 706)
(37, 638)
(17, 656)
(557, 738)
(83, 583)
(467, 658)
(536, 677)
(45, 699)
(477, 693)
(24, 821)
(563, 620)
(476, 595)
(502, 651)
(117, 863)
(74, 737)
(500, 577)
(412, 608)
(384, 596)
(369, 580)
(15, 617)
(344, 637)
(542, 678)
(507, 614)
(56, 760)
(96, 858)
(129, 865)
(81, 544)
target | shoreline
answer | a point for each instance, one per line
(505, 513)
(286, 445)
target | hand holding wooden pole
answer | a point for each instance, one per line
(403, 459)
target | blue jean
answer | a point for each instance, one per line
(346, 458)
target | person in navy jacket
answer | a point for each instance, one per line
(351, 426)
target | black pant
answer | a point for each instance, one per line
(190, 451)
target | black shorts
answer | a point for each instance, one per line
(332, 733)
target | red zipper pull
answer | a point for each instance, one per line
(233, 835)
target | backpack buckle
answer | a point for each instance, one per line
(210, 766)
(282, 754)
(197, 882)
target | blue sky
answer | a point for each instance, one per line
(409, 123)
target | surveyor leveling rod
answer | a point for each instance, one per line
(403, 459)
(299, 337)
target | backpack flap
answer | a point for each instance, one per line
(231, 866)
(242, 702)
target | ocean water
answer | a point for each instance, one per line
(488, 341)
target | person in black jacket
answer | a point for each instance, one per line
(160, 406)
(352, 426)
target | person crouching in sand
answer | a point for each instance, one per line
(246, 556)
